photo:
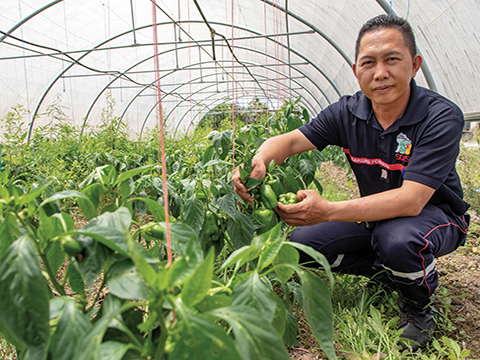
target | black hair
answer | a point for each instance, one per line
(388, 21)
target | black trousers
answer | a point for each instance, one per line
(406, 247)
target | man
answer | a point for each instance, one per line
(401, 141)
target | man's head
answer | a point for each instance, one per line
(386, 63)
(388, 21)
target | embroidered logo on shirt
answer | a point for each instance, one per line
(404, 148)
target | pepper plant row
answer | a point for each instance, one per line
(219, 299)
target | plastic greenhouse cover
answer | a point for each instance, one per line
(87, 54)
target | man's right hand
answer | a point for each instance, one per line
(259, 171)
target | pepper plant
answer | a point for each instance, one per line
(151, 311)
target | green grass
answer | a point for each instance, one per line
(7, 351)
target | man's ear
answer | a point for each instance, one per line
(354, 68)
(417, 63)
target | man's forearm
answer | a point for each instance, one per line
(282, 146)
(409, 200)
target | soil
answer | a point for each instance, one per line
(459, 275)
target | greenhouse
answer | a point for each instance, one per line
(124, 126)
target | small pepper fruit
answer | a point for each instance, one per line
(153, 231)
(275, 184)
(267, 217)
(268, 197)
(71, 245)
(288, 198)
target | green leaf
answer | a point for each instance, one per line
(254, 336)
(110, 237)
(307, 170)
(244, 174)
(193, 214)
(208, 154)
(131, 173)
(196, 287)
(293, 122)
(90, 208)
(317, 306)
(253, 293)
(291, 184)
(291, 329)
(222, 142)
(157, 281)
(157, 210)
(106, 175)
(203, 339)
(32, 195)
(24, 310)
(242, 229)
(88, 347)
(181, 234)
(244, 254)
(273, 241)
(64, 195)
(113, 350)
(75, 280)
(228, 206)
(318, 257)
(9, 232)
(252, 183)
(318, 185)
(55, 256)
(72, 325)
(279, 321)
(184, 266)
(125, 282)
(286, 255)
(125, 188)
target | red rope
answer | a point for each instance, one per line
(266, 63)
(162, 131)
(233, 89)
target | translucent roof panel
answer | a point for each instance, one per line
(85, 54)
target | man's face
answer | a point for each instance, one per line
(385, 67)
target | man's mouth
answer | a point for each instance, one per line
(382, 89)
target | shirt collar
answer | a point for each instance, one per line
(416, 110)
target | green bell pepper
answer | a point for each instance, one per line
(268, 196)
(288, 198)
(71, 245)
(152, 231)
(267, 217)
(210, 225)
(275, 184)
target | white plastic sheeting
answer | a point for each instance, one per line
(83, 53)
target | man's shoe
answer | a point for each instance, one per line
(417, 323)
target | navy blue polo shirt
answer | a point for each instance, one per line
(421, 146)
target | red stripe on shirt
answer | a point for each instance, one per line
(366, 161)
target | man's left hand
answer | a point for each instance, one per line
(310, 210)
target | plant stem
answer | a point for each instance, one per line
(163, 336)
(53, 277)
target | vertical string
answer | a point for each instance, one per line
(24, 59)
(70, 79)
(233, 87)
(267, 72)
(162, 131)
(408, 10)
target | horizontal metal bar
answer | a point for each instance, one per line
(472, 116)
(219, 92)
(168, 43)
(184, 69)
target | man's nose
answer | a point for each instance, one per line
(381, 71)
